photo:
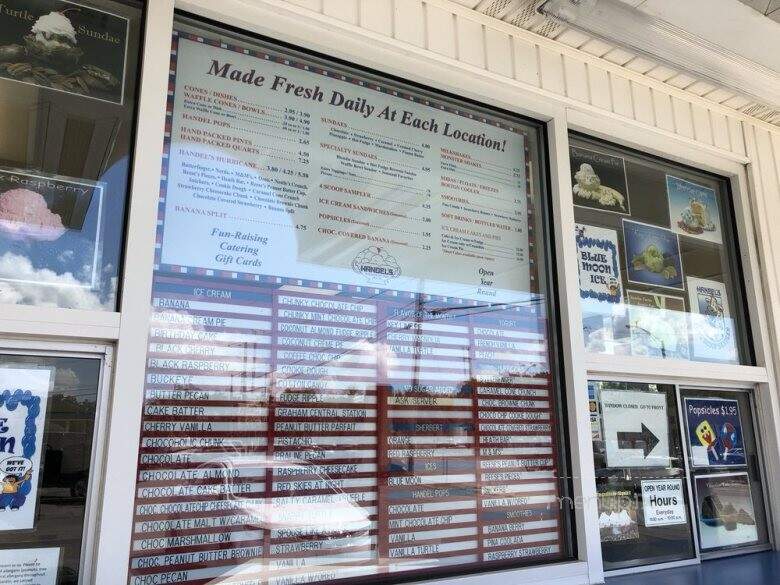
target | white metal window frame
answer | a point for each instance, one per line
(10, 346)
(286, 22)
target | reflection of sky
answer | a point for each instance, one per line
(68, 260)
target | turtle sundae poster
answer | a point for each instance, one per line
(693, 210)
(599, 181)
(64, 46)
(714, 432)
(23, 397)
(652, 255)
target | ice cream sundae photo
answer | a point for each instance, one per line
(588, 186)
(695, 219)
(653, 260)
(24, 215)
(49, 55)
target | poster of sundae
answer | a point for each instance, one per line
(64, 46)
(617, 515)
(652, 255)
(658, 325)
(599, 181)
(715, 337)
(54, 225)
(693, 210)
(24, 393)
(714, 432)
(725, 511)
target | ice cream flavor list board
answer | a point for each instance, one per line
(329, 394)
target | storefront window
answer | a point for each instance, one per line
(47, 421)
(642, 493)
(67, 100)
(351, 368)
(657, 258)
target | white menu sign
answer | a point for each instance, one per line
(29, 566)
(296, 172)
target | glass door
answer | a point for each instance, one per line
(725, 467)
(49, 405)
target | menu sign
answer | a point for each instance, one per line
(293, 171)
(329, 393)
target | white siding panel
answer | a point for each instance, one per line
(702, 129)
(736, 137)
(643, 104)
(346, 10)
(551, 69)
(498, 52)
(621, 96)
(315, 5)
(576, 79)
(526, 62)
(471, 42)
(377, 16)
(720, 130)
(662, 106)
(683, 120)
(441, 31)
(600, 92)
(409, 21)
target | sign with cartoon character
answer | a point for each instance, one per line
(599, 263)
(714, 337)
(714, 432)
(23, 396)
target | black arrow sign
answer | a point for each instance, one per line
(645, 440)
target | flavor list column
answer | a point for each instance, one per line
(324, 425)
(519, 508)
(429, 494)
(203, 432)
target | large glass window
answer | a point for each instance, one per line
(67, 101)
(351, 368)
(657, 258)
(47, 422)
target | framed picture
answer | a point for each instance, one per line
(693, 210)
(724, 511)
(599, 181)
(714, 432)
(49, 227)
(64, 46)
(713, 334)
(658, 324)
(599, 263)
(617, 508)
(652, 255)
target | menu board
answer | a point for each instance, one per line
(348, 369)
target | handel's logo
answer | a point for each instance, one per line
(377, 265)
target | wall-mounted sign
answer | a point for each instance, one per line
(711, 319)
(663, 502)
(714, 432)
(725, 510)
(64, 46)
(652, 255)
(599, 263)
(693, 210)
(636, 428)
(29, 566)
(23, 397)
